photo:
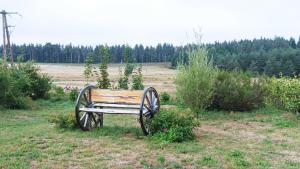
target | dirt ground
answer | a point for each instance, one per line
(158, 75)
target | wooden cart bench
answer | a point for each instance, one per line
(92, 103)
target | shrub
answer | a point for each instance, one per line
(73, 94)
(137, 79)
(63, 120)
(39, 84)
(284, 92)
(173, 126)
(195, 81)
(237, 91)
(88, 67)
(165, 97)
(103, 81)
(19, 84)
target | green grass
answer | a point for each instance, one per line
(265, 138)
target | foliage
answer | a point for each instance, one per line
(165, 97)
(195, 81)
(73, 94)
(173, 126)
(123, 81)
(284, 92)
(88, 67)
(237, 91)
(103, 81)
(63, 120)
(129, 67)
(137, 79)
(19, 84)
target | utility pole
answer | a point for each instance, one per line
(6, 35)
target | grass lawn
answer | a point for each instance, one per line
(266, 138)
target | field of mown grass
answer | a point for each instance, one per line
(266, 138)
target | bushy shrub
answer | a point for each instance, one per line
(173, 126)
(73, 94)
(284, 92)
(165, 97)
(195, 81)
(237, 91)
(137, 79)
(63, 120)
(38, 84)
(19, 84)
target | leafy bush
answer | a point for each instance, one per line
(57, 94)
(73, 94)
(165, 97)
(20, 84)
(38, 84)
(137, 79)
(103, 80)
(195, 81)
(237, 91)
(173, 126)
(284, 92)
(63, 120)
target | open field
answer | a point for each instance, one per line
(266, 138)
(158, 75)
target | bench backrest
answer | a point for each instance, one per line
(117, 96)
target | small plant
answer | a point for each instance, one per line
(137, 79)
(123, 81)
(165, 97)
(129, 67)
(63, 120)
(103, 80)
(73, 94)
(88, 67)
(173, 126)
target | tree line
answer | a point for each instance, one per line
(270, 56)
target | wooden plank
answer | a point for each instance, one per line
(129, 106)
(117, 96)
(112, 111)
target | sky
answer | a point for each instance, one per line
(149, 22)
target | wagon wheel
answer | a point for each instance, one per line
(149, 107)
(86, 120)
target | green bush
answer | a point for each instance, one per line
(173, 126)
(73, 94)
(21, 83)
(63, 120)
(237, 91)
(284, 92)
(137, 79)
(165, 97)
(38, 84)
(195, 81)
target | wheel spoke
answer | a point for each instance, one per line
(94, 119)
(83, 116)
(147, 108)
(153, 99)
(150, 92)
(85, 97)
(146, 114)
(81, 102)
(147, 99)
(85, 121)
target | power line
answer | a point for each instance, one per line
(6, 35)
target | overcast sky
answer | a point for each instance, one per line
(148, 22)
